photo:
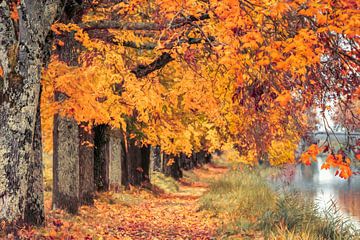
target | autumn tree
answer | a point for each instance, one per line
(239, 72)
(190, 75)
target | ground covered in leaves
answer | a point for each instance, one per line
(138, 214)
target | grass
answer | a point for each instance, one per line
(249, 206)
(167, 184)
(241, 198)
(295, 216)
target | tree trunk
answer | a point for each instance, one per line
(124, 164)
(101, 158)
(109, 155)
(145, 163)
(201, 157)
(115, 159)
(194, 160)
(156, 159)
(137, 162)
(186, 162)
(21, 51)
(172, 166)
(66, 190)
(34, 210)
(86, 166)
(73, 166)
(134, 163)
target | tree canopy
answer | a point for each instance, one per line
(203, 74)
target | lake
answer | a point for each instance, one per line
(324, 186)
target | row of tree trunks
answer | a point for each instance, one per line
(119, 160)
(172, 165)
(104, 160)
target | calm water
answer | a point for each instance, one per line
(325, 186)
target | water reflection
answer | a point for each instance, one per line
(324, 186)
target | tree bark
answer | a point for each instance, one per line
(137, 163)
(73, 166)
(109, 155)
(172, 168)
(115, 155)
(101, 158)
(86, 166)
(134, 163)
(186, 162)
(156, 159)
(145, 163)
(66, 190)
(21, 52)
(34, 210)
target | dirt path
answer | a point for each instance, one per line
(138, 215)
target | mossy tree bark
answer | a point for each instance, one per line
(21, 57)
(73, 166)
(66, 190)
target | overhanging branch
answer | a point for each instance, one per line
(146, 26)
(144, 70)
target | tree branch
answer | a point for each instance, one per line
(144, 70)
(148, 26)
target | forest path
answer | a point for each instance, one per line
(139, 214)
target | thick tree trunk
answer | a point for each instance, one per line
(109, 154)
(34, 210)
(201, 157)
(124, 167)
(137, 163)
(101, 157)
(66, 190)
(155, 158)
(134, 163)
(20, 149)
(186, 162)
(115, 159)
(145, 163)
(194, 160)
(86, 166)
(73, 165)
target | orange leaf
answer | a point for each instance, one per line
(284, 98)
(325, 166)
(170, 162)
(14, 12)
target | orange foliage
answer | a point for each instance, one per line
(243, 72)
(14, 12)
